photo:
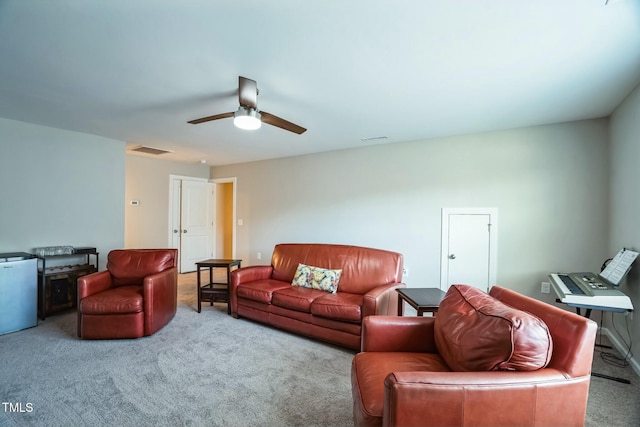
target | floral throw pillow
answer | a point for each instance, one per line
(322, 279)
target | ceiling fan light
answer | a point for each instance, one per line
(247, 119)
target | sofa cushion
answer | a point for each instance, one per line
(369, 370)
(295, 298)
(260, 290)
(118, 300)
(476, 332)
(341, 306)
(322, 279)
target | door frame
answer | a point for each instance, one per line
(493, 240)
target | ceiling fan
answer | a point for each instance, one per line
(248, 116)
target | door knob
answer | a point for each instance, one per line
(175, 231)
(452, 256)
(184, 231)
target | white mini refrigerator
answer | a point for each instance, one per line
(18, 292)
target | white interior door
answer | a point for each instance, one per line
(196, 224)
(468, 247)
(194, 207)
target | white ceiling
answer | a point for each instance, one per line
(138, 70)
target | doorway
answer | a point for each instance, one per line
(225, 217)
(469, 247)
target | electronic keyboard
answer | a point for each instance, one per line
(588, 289)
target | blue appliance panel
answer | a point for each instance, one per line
(18, 294)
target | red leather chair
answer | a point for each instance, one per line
(136, 296)
(404, 376)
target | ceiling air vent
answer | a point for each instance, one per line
(150, 150)
(376, 139)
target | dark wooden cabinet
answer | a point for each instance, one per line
(57, 284)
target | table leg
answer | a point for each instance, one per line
(228, 293)
(211, 283)
(400, 305)
(198, 290)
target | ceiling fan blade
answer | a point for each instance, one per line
(210, 118)
(281, 123)
(248, 92)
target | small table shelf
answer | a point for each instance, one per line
(57, 285)
(422, 299)
(215, 291)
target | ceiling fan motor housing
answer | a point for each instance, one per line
(247, 118)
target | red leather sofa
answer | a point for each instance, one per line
(136, 296)
(480, 361)
(367, 286)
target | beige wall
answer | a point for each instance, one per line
(147, 181)
(549, 183)
(625, 207)
(59, 188)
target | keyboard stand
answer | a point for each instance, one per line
(587, 314)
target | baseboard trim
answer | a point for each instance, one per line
(622, 348)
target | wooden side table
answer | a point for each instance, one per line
(422, 299)
(215, 291)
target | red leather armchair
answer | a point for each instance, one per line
(401, 378)
(136, 296)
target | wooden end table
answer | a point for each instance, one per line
(422, 299)
(215, 291)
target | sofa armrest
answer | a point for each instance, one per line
(245, 275)
(160, 291)
(251, 274)
(483, 398)
(381, 300)
(93, 283)
(398, 334)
